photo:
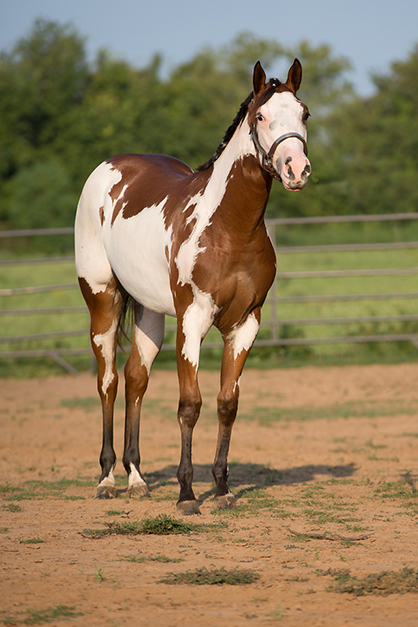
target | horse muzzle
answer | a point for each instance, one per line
(294, 174)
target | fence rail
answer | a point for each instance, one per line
(273, 323)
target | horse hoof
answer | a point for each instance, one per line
(106, 492)
(139, 491)
(224, 502)
(188, 508)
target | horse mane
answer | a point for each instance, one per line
(243, 110)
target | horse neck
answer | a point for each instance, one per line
(247, 186)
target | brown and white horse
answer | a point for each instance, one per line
(192, 245)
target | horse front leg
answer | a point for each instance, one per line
(147, 341)
(237, 344)
(190, 402)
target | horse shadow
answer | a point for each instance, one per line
(245, 478)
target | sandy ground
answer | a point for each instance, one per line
(330, 453)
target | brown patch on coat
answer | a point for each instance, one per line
(146, 181)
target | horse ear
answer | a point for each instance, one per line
(259, 78)
(294, 77)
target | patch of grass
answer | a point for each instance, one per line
(403, 490)
(115, 512)
(32, 541)
(161, 525)
(100, 575)
(89, 403)
(351, 409)
(322, 506)
(251, 502)
(44, 616)
(382, 584)
(36, 489)
(5, 489)
(12, 507)
(396, 490)
(216, 576)
(166, 525)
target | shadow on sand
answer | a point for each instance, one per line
(250, 476)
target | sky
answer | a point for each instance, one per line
(370, 33)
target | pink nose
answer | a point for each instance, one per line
(296, 173)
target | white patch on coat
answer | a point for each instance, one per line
(106, 341)
(283, 114)
(208, 202)
(136, 249)
(135, 478)
(91, 259)
(243, 337)
(196, 323)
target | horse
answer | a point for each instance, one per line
(189, 244)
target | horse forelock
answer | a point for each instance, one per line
(250, 105)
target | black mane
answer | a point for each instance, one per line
(273, 83)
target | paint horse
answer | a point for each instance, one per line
(192, 245)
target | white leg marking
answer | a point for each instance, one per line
(135, 478)
(109, 480)
(105, 342)
(242, 337)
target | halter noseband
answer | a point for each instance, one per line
(267, 157)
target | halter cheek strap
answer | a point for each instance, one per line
(267, 157)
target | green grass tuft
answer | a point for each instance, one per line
(162, 525)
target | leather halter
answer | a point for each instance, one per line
(267, 157)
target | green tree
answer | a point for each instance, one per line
(60, 116)
(41, 195)
(40, 79)
(325, 90)
(374, 144)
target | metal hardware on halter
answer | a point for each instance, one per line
(267, 157)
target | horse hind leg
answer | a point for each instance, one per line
(105, 308)
(147, 341)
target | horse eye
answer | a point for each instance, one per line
(306, 116)
(260, 117)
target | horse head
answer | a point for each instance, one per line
(277, 120)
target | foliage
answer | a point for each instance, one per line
(373, 145)
(60, 116)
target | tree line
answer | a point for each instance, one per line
(61, 115)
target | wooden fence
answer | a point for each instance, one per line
(272, 322)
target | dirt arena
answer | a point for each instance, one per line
(324, 462)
